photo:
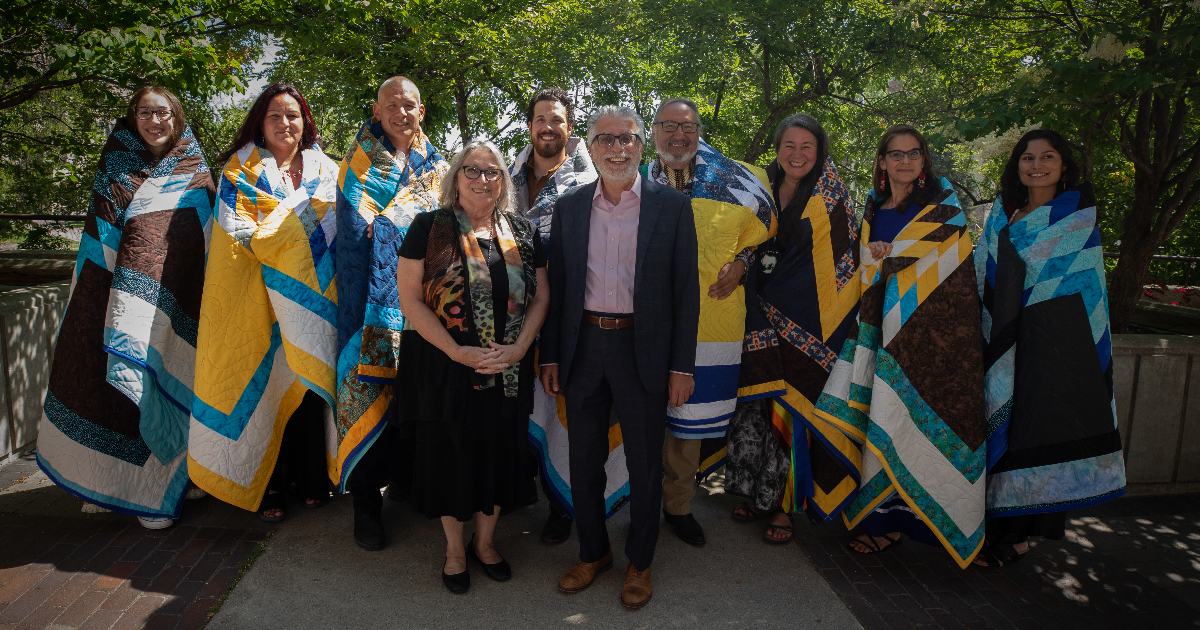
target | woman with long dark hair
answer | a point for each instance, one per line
(269, 295)
(115, 427)
(906, 392)
(798, 323)
(1048, 351)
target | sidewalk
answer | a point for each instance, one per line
(1130, 563)
(62, 569)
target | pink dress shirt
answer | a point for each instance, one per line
(612, 251)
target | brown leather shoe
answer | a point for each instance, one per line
(636, 591)
(581, 575)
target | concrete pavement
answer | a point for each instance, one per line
(312, 576)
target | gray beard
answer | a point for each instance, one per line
(680, 157)
(618, 175)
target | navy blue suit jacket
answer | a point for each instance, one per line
(666, 287)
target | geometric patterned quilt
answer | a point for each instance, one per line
(733, 209)
(908, 383)
(379, 191)
(114, 425)
(1053, 443)
(268, 326)
(803, 303)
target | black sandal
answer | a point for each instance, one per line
(751, 513)
(780, 541)
(1000, 555)
(273, 501)
(872, 545)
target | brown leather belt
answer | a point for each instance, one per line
(608, 323)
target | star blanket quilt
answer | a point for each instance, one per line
(733, 209)
(114, 425)
(268, 322)
(1053, 443)
(379, 191)
(801, 304)
(908, 383)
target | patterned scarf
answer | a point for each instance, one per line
(451, 294)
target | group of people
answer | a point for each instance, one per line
(456, 331)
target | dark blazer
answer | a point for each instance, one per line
(666, 286)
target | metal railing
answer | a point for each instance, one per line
(1189, 263)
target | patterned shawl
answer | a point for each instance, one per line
(1053, 443)
(380, 190)
(733, 210)
(577, 170)
(114, 427)
(908, 383)
(801, 305)
(457, 282)
(268, 321)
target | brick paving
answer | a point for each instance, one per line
(61, 569)
(1129, 563)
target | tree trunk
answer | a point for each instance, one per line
(460, 103)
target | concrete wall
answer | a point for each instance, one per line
(29, 320)
(1156, 382)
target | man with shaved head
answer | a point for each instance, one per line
(391, 174)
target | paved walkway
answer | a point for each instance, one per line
(62, 569)
(1131, 563)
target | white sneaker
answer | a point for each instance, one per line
(156, 523)
(92, 508)
(195, 493)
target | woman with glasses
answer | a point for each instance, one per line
(907, 387)
(269, 283)
(472, 285)
(115, 427)
(1054, 445)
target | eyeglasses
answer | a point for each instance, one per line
(607, 140)
(489, 175)
(897, 156)
(147, 114)
(671, 126)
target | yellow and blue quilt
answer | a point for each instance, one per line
(268, 323)
(733, 210)
(379, 191)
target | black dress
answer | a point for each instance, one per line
(470, 444)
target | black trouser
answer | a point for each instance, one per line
(604, 374)
(381, 465)
(302, 451)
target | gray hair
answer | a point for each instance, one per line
(615, 110)
(685, 101)
(449, 184)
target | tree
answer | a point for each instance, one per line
(1117, 74)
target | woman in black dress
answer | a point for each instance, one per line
(472, 287)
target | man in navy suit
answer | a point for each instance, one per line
(621, 331)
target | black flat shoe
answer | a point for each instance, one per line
(457, 583)
(687, 528)
(557, 529)
(368, 531)
(501, 571)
